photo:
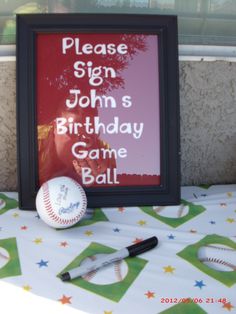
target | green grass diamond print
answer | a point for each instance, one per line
(97, 216)
(110, 282)
(190, 254)
(185, 308)
(9, 258)
(174, 216)
(7, 203)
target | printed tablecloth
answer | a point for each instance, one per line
(168, 279)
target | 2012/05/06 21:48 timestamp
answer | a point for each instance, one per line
(193, 300)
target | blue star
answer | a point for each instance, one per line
(212, 222)
(42, 263)
(116, 230)
(37, 216)
(171, 237)
(199, 284)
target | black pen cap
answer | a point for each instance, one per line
(142, 247)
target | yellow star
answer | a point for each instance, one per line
(106, 312)
(169, 269)
(15, 215)
(229, 194)
(27, 288)
(38, 241)
(88, 233)
(141, 222)
(230, 220)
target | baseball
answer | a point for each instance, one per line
(218, 257)
(61, 202)
(171, 211)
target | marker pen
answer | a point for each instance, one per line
(130, 251)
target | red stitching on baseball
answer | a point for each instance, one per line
(218, 261)
(92, 273)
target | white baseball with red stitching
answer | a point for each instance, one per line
(61, 202)
(218, 257)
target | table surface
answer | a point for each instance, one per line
(167, 279)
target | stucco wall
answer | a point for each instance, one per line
(208, 123)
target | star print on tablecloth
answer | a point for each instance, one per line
(23, 228)
(15, 215)
(150, 294)
(88, 233)
(229, 194)
(121, 209)
(212, 222)
(65, 300)
(171, 237)
(169, 269)
(116, 230)
(38, 240)
(199, 284)
(107, 312)
(27, 287)
(230, 220)
(228, 306)
(43, 263)
(64, 244)
(142, 222)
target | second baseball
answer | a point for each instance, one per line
(218, 257)
(61, 202)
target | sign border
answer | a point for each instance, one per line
(165, 27)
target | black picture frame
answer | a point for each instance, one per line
(28, 26)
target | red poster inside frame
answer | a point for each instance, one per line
(98, 117)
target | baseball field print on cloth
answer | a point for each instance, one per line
(214, 255)
(95, 216)
(185, 308)
(6, 203)
(174, 216)
(112, 281)
(9, 259)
